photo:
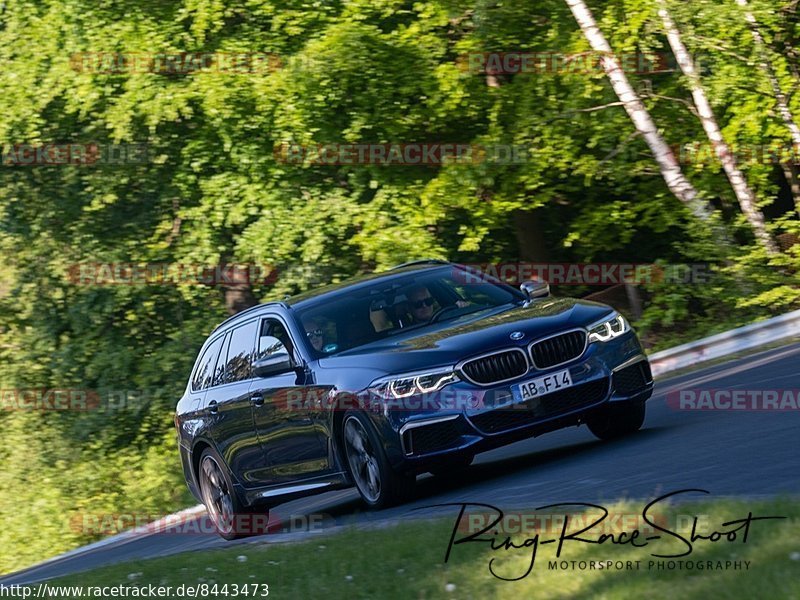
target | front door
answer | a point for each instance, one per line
(292, 444)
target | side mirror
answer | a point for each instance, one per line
(535, 289)
(275, 364)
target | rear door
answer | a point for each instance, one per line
(191, 408)
(229, 408)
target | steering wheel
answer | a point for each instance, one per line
(441, 311)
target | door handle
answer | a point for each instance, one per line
(257, 399)
(212, 407)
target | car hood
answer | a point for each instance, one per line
(471, 335)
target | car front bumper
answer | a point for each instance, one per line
(486, 417)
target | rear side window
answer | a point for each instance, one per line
(241, 350)
(219, 369)
(204, 373)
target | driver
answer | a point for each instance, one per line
(420, 303)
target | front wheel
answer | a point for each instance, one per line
(617, 420)
(377, 483)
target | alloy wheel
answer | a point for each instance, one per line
(362, 459)
(216, 495)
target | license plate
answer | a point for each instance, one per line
(541, 386)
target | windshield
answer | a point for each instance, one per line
(389, 307)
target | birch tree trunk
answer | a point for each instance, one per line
(793, 179)
(780, 97)
(781, 101)
(744, 194)
(663, 154)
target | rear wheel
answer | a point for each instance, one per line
(377, 483)
(230, 518)
(617, 420)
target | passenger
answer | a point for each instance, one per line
(315, 333)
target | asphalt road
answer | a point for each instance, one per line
(741, 454)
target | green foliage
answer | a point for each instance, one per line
(213, 190)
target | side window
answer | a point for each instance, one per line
(219, 367)
(240, 353)
(273, 338)
(205, 369)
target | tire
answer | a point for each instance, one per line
(453, 467)
(377, 483)
(230, 517)
(617, 420)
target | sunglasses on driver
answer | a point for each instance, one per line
(424, 302)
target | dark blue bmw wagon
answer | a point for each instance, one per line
(371, 382)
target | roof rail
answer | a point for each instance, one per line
(423, 261)
(248, 310)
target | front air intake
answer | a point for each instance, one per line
(558, 349)
(496, 368)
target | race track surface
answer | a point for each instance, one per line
(741, 454)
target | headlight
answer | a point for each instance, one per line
(403, 386)
(608, 329)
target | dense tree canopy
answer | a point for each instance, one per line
(212, 189)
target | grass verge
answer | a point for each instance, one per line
(407, 560)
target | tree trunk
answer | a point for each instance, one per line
(781, 100)
(237, 288)
(530, 235)
(238, 298)
(780, 97)
(744, 194)
(635, 300)
(793, 179)
(663, 154)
